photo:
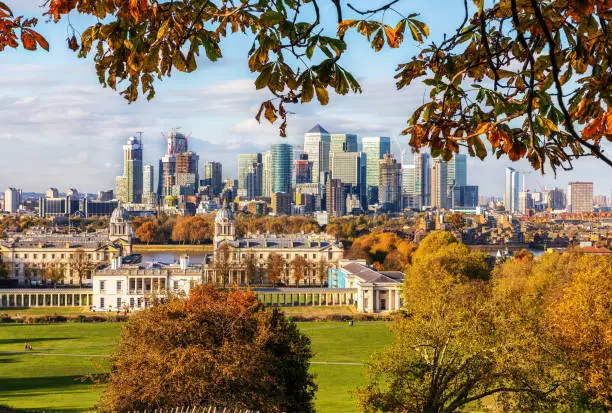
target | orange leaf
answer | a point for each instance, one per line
(392, 38)
(29, 43)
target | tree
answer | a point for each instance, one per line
(215, 347)
(457, 220)
(251, 269)
(4, 270)
(54, 272)
(448, 351)
(81, 264)
(541, 64)
(276, 267)
(180, 231)
(200, 229)
(148, 231)
(223, 263)
(299, 266)
(29, 272)
(322, 270)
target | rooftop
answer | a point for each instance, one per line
(318, 129)
(372, 276)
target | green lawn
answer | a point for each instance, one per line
(50, 377)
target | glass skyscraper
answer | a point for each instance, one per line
(375, 148)
(316, 145)
(282, 158)
(343, 142)
(457, 170)
(129, 186)
(245, 164)
(511, 190)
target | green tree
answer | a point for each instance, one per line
(215, 347)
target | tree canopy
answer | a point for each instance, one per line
(213, 348)
(531, 77)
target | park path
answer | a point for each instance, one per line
(37, 353)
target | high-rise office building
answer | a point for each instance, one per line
(555, 198)
(281, 203)
(466, 196)
(302, 169)
(254, 181)
(343, 142)
(335, 198)
(52, 193)
(178, 168)
(390, 184)
(422, 176)
(580, 197)
(456, 170)
(351, 169)
(375, 147)
(105, 195)
(410, 196)
(282, 154)
(58, 207)
(245, 162)
(316, 145)
(129, 185)
(148, 185)
(12, 200)
(525, 202)
(266, 184)
(439, 184)
(511, 190)
(213, 176)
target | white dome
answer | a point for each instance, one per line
(224, 214)
(120, 215)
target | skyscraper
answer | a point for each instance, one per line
(375, 148)
(316, 145)
(410, 196)
(335, 198)
(148, 191)
(302, 169)
(129, 185)
(245, 162)
(525, 201)
(213, 176)
(254, 181)
(580, 197)
(12, 200)
(281, 154)
(439, 184)
(266, 184)
(52, 193)
(555, 198)
(456, 170)
(178, 168)
(511, 190)
(422, 176)
(390, 184)
(351, 169)
(343, 142)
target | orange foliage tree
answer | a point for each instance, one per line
(217, 348)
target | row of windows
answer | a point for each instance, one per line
(61, 256)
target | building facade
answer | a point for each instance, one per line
(390, 184)
(213, 176)
(580, 197)
(343, 142)
(129, 186)
(282, 158)
(12, 200)
(317, 145)
(511, 190)
(439, 181)
(351, 169)
(375, 147)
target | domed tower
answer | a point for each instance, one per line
(225, 226)
(121, 229)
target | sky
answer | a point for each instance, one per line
(60, 128)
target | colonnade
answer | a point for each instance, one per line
(46, 298)
(322, 297)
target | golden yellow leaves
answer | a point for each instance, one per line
(377, 32)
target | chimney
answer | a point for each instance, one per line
(184, 262)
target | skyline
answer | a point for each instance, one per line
(73, 129)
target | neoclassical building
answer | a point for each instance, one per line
(27, 254)
(315, 248)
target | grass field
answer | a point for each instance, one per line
(50, 377)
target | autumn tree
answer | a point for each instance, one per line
(4, 270)
(251, 269)
(147, 232)
(276, 267)
(200, 229)
(81, 264)
(180, 231)
(54, 272)
(321, 270)
(223, 263)
(447, 351)
(299, 266)
(214, 348)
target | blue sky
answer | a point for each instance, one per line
(59, 127)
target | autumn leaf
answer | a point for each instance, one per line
(392, 38)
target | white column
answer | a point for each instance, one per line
(377, 301)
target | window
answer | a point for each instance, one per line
(139, 302)
(44, 256)
(35, 256)
(101, 302)
(25, 256)
(132, 302)
(16, 255)
(102, 285)
(287, 255)
(119, 286)
(53, 256)
(314, 256)
(119, 303)
(62, 256)
(305, 255)
(260, 255)
(176, 285)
